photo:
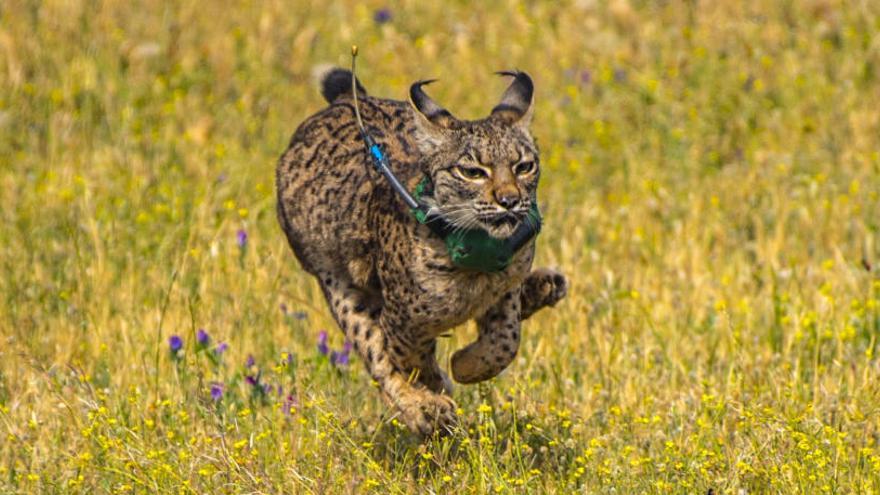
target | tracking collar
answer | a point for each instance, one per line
(475, 249)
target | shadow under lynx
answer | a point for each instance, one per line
(388, 279)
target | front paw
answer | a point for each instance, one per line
(477, 363)
(429, 413)
(546, 287)
(558, 288)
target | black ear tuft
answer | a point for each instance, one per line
(517, 99)
(337, 82)
(428, 107)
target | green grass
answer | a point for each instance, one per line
(710, 186)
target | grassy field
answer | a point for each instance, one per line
(711, 173)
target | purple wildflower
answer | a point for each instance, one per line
(250, 361)
(341, 358)
(175, 343)
(202, 338)
(241, 238)
(221, 348)
(620, 75)
(382, 15)
(216, 391)
(258, 388)
(586, 76)
(283, 308)
(322, 343)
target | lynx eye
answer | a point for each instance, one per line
(524, 168)
(471, 173)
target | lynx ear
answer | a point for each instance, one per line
(429, 108)
(516, 102)
(433, 122)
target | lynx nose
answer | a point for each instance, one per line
(507, 199)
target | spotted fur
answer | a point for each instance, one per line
(388, 280)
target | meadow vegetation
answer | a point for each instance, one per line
(710, 185)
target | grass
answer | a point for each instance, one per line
(710, 186)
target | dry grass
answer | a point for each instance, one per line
(711, 179)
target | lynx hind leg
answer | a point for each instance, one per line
(496, 345)
(422, 410)
(543, 287)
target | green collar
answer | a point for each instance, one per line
(475, 249)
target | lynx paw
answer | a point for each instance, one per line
(429, 413)
(470, 366)
(543, 287)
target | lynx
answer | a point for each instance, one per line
(388, 280)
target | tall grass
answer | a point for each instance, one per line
(711, 173)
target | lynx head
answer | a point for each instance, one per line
(484, 172)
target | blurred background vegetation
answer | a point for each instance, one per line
(711, 173)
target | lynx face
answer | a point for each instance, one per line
(485, 172)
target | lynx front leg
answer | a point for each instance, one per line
(424, 411)
(496, 344)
